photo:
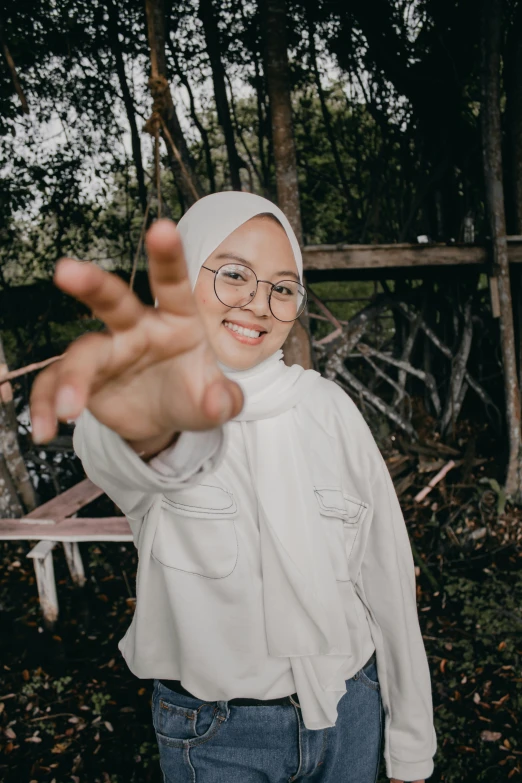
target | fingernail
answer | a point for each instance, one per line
(38, 430)
(66, 402)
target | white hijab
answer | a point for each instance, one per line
(304, 616)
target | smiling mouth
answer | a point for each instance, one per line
(244, 334)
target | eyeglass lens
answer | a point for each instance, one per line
(236, 286)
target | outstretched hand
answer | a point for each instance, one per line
(153, 372)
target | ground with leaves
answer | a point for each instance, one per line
(70, 711)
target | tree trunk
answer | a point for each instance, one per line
(114, 41)
(10, 506)
(12, 69)
(326, 115)
(492, 157)
(211, 31)
(193, 113)
(513, 87)
(20, 487)
(261, 121)
(182, 169)
(297, 348)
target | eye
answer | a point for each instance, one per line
(232, 275)
(235, 273)
(282, 289)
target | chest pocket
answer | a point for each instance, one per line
(196, 532)
(343, 516)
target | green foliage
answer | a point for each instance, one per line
(149, 754)
(408, 156)
(61, 685)
(99, 702)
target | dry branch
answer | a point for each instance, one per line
(379, 404)
(435, 480)
(428, 331)
(29, 368)
(405, 357)
(406, 367)
(458, 387)
(379, 372)
(352, 333)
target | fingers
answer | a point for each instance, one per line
(168, 272)
(62, 390)
(105, 294)
(222, 401)
(43, 417)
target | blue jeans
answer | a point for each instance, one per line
(210, 742)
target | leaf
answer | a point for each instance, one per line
(501, 701)
(490, 736)
(60, 747)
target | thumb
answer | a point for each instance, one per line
(222, 401)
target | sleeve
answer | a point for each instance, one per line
(131, 483)
(387, 587)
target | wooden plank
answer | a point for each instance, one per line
(325, 257)
(28, 521)
(78, 529)
(44, 572)
(41, 549)
(74, 562)
(68, 503)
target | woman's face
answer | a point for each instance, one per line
(261, 244)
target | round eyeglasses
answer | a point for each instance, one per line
(235, 285)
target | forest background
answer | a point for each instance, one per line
(387, 137)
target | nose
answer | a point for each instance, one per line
(259, 304)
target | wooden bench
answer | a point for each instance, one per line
(55, 522)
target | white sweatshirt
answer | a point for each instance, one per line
(199, 612)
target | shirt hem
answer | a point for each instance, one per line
(410, 770)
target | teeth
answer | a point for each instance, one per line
(242, 330)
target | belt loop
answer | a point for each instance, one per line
(224, 710)
(296, 704)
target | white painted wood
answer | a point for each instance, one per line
(115, 529)
(82, 538)
(41, 549)
(74, 562)
(44, 571)
(31, 521)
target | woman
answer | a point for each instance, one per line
(276, 605)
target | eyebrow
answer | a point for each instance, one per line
(239, 259)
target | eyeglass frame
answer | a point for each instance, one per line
(272, 286)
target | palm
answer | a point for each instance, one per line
(153, 371)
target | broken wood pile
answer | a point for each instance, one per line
(442, 346)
